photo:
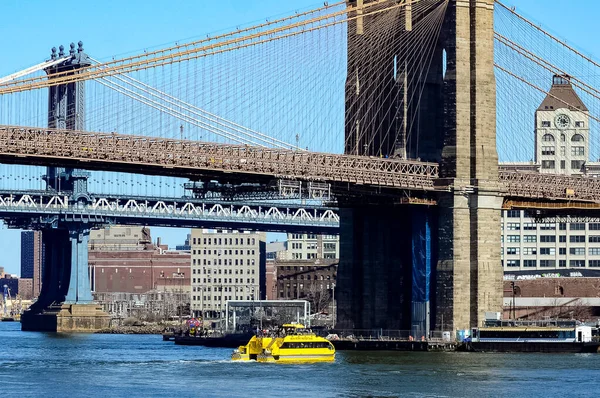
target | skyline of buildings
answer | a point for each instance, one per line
(561, 147)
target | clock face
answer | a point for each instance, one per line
(562, 121)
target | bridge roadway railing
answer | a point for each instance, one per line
(534, 185)
(111, 151)
(150, 155)
(171, 212)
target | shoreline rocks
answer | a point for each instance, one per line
(144, 329)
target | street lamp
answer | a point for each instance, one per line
(334, 305)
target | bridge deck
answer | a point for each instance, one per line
(183, 158)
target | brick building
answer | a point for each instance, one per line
(123, 260)
(25, 288)
(564, 294)
(312, 280)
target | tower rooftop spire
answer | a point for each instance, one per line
(562, 95)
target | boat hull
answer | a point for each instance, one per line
(557, 347)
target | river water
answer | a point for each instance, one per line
(52, 365)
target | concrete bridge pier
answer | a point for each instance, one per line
(386, 258)
(65, 303)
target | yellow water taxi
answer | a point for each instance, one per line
(293, 343)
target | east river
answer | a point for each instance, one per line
(51, 365)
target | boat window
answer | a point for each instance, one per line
(307, 344)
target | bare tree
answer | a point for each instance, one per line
(318, 296)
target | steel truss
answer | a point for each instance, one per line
(184, 158)
(168, 212)
(163, 156)
(520, 184)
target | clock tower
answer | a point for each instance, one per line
(562, 130)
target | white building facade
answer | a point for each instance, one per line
(562, 133)
(226, 265)
(312, 247)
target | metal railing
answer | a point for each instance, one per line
(165, 156)
(117, 152)
(389, 335)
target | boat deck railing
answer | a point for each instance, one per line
(389, 335)
(556, 323)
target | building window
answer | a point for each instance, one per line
(579, 124)
(511, 226)
(548, 263)
(562, 251)
(562, 263)
(577, 138)
(547, 227)
(529, 226)
(594, 251)
(547, 251)
(548, 164)
(513, 238)
(577, 227)
(546, 123)
(547, 238)
(563, 138)
(530, 263)
(530, 250)
(548, 150)
(530, 239)
(577, 238)
(577, 263)
(577, 251)
(562, 239)
(594, 239)
(577, 151)
(577, 164)
(512, 250)
(513, 263)
(562, 226)
(513, 213)
(593, 226)
(594, 263)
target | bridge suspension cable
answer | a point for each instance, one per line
(388, 67)
(197, 50)
(527, 59)
(228, 128)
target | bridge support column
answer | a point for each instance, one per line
(385, 259)
(469, 270)
(65, 303)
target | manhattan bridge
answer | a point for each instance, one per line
(406, 126)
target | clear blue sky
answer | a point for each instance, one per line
(29, 29)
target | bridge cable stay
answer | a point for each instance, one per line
(406, 56)
(32, 69)
(196, 111)
(526, 59)
(216, 38)
(321, 88)
(420, 56)
(539, 77)
(105, 114)
(102, 108)
(141, 62)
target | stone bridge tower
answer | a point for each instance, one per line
(469, 271)
(462, 271)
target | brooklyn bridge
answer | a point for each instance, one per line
(380, 120)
